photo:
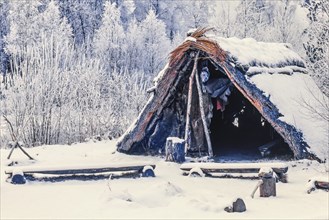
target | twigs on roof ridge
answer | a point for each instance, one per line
(199, 42)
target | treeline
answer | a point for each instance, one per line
(75, 69)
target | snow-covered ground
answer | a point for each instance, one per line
(168, 195)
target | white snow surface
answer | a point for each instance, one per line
(169, 195)
(297, 97)
(248, 51)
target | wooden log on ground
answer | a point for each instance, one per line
(235, 167)
(321, 184)
(175, 150)
(203, 116)
(56, 170)
(189, 102)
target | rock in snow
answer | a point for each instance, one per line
(238, 206)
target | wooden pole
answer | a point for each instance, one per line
(203, 116)
(189, 103)
(12, 133)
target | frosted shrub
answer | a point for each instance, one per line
(61, 96)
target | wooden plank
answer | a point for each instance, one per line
(234, 167)
(79, 169)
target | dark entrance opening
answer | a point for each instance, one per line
(238, 130)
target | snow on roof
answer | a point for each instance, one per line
(300, 102)
(248, 52)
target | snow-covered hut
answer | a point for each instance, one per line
(232, 94)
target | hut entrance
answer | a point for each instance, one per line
(237, 129)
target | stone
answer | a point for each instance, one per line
(228, 209)
(239, 206)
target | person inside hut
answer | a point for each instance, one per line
(216, 86)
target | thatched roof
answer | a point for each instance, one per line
(252, 67)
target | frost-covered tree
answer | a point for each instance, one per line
(317, 44)
(156, 44)
(142, 8)
(177, 15)
(4, 29)
(126, 10)
(253, 18)
(53, 27)
(134, 37)
(224, 18)
(84, 16)
(284, 21)
(109, 39)
(24, 25)
(197, 13)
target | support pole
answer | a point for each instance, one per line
(17, 144)
(189, 104)
(203, 116)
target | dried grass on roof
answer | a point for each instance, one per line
(202, 43)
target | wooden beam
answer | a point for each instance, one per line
(189, 103)
(203, 116)
(81, 170)
(234, 167)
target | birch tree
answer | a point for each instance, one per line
(317, 44)
(156, 44)
(109, 40)
(4, 29)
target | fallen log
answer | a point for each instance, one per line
(321, 185)
(80, 169)
(317, 183)
(280, 169)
